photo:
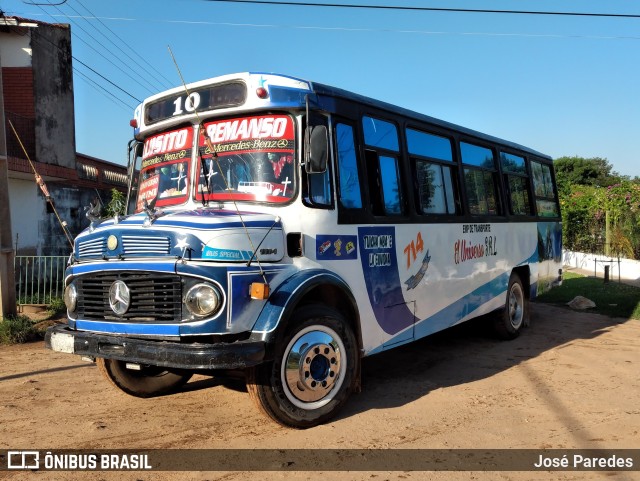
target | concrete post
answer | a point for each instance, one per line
(7, 277)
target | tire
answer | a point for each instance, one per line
(149, 381)
(313, 373)
(515, 314)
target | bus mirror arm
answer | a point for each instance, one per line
(315, 144)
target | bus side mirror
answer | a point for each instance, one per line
(317, 150)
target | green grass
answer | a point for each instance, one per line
(56, 306)
(612, 299)
(18, 329)
(21, 328)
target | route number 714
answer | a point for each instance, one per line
(413, 248)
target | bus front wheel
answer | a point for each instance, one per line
(313, 371)
(148, 381)
(513, 317)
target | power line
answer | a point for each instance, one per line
(369, 29)
(40, 37)
(105, 78)
(96, 86)
(168, 83)
(150, 87)
(428, 9)
(118, 49)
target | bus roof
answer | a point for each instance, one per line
(338, 92)
(287, 91)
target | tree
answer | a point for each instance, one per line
(116, 205)
(594, 171)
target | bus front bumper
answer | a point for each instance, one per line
(191, 356)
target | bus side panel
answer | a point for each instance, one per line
(549, 257)
(412, 280)
(450, 273)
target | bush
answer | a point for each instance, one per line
(56, 306)
(585, 209)
(18, 329)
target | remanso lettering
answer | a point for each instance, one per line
(255, 128)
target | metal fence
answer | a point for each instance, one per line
(39, 279)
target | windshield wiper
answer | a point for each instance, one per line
(205, 175)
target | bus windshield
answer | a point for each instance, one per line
(249, 159)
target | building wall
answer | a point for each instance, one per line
(15, 50)
(37, 86)
(17, 89)
(53, 93)
(17, 86)
(25, 208)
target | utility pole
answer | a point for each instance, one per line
(7, 277)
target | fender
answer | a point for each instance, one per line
(289, 294)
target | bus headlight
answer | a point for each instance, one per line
(71, 297)
(202, 300)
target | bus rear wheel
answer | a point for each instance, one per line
(149, 381)
(313, 372)
(516, 310)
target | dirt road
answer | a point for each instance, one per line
(571, 380)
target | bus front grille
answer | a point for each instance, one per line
(132, 244)
(154, 297)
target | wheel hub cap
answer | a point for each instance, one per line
(312, 366)
(516, 299)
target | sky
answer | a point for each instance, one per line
(562, 85)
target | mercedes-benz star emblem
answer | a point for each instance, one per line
(119, 297)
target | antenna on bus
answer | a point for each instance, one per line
(205, 134)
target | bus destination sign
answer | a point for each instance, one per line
(210, 97)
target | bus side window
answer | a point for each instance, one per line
(546, 200)
(319, 186)
(434, 188)
(349, 180)
(390, 185)
(383, 171)
(433, 178)
(480, 179)
(373, 177)
(517, 183)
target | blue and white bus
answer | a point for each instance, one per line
(286, 229)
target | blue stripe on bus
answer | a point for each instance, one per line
(127, 328)
(123, 266)
(452, 314)
(210, 226)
